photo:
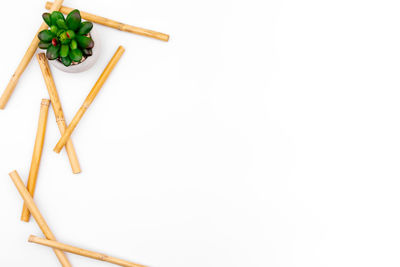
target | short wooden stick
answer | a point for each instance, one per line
(82, 252)
(37, 154)
(58, 111)
(115, 24)
(37, 215)
(25, 60)
(89, 99)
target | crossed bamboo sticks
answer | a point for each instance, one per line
(58, 111)
(89, 99)
(50, 240)
(57, 6)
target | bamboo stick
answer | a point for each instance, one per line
(37, 154)
(58, 111)
(89, 99)
(25, 60)
(115, 24)
(37, 215)
(82, 252)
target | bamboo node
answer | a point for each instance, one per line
(120, 26)
(103, 257)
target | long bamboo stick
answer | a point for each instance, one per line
(25, 60)
(37, 154)
(89, 99)
(115, 24)
(82, 252)
(58, 111)
(37, 215)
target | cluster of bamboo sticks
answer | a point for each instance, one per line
(27, 192)
(57, 6)
(50, 240)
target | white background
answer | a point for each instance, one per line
(265, 133)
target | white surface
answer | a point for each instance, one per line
(265, 133)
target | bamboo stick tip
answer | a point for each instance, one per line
(3, 102)
(121, 48)
(45, 102)
(41, 56)
(31, 238)
(25, 219)
(13, 173)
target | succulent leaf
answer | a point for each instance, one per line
(44, 45)
(53, 52)
(59, 32)
(85, 27)
(84, 42)
(70, 34)
(66, 61)
(87, 52)
(74, 45)
(64, 50)
(75, 55)
(56, 15)
(46, 18)
(64, 38)
(54, 29)
(74, 20)
(46, 36)
(66, 41)
(62, 24)
(54, 42)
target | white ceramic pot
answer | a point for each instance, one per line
(85, 65)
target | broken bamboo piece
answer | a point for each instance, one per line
(115, 24)
(89, 99)
(37, 154)
(58, 111)
(26, 59)
(37, 215)
(81, 252)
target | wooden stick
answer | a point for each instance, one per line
(115, 24)
(37, 215)
(82, 252)
(58, 111)
(37, 154)
(89, 99)
(26, 59)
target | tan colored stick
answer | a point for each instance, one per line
(115, 24)
(82, 252)
(58, 112)
(89, 99)
(37, 215)
(37, 154)
(25, 60)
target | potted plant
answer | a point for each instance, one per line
(68, 42)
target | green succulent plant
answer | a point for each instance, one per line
(67, 39)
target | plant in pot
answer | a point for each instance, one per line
(68, 42)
